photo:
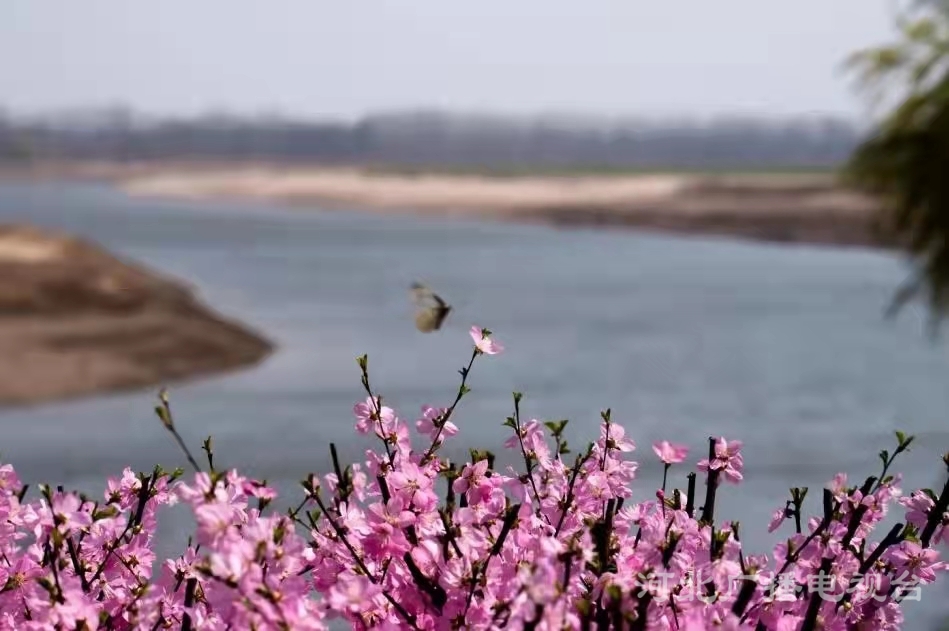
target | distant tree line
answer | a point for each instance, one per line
(436, 139)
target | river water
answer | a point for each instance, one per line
(783, 347)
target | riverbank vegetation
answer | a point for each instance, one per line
(904, 161)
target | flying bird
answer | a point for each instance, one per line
(431, 310)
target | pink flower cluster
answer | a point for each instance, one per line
(409, 540)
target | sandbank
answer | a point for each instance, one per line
(795, 207)
(76, 321)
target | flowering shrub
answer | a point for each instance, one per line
(411, 541)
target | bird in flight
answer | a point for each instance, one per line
(431, 310)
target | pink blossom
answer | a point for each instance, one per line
(383, 545)
(69, 513)
(255, 488)
(414, 485)
(433, 423)
(670, 453)
(351, 594)
(9, 481)
(613, 436)
(484, 343)
(918, 562)
(727, 459)
(370, 413)
(918, 505)
(777, 519)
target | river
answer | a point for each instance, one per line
(783, 347)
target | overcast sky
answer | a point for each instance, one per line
(349, 57)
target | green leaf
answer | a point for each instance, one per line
(102, 513)
(911, 531)
(477, 455)
(904, 442)
(922, 31)
(556, 427)
(584, 607)
(164, 417)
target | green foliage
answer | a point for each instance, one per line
(906, 161)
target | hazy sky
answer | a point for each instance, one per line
(347, 57)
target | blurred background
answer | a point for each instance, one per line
(644, 201)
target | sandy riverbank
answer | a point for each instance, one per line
(808, 208)
(434, 192)
(76, 321)
(774, 207)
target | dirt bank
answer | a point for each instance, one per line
(75, 321)
(783, 209)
